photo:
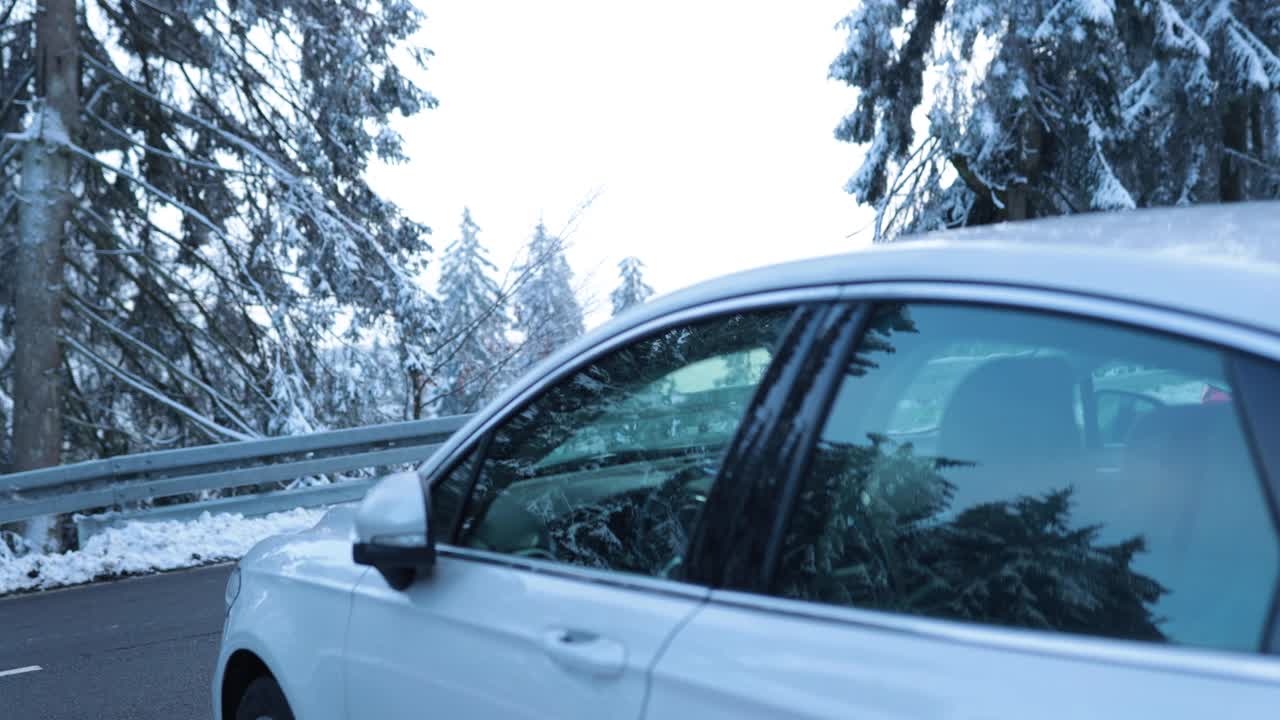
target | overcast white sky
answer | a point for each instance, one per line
(706, 127)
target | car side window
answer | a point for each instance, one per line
(1063, 474)
(609, 467)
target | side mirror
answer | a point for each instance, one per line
(393, 532)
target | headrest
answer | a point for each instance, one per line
(1011, 409)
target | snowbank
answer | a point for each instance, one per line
(143, 547)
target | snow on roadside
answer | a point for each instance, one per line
(142, 547)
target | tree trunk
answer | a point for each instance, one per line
(1017, 198)
(417, 386)
(1235, 136)
(42, 217)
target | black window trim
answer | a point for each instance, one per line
(733, 508)
(847, 324)
(762, 473)
(476, 452)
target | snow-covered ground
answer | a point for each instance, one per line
(142, 547)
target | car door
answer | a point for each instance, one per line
(563, 530)
(963, 542)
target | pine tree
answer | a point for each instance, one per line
(632, 289)
(218, 221)
(474, 348)
(547, 311)
(364, 385)
(184, 217)
(1048, 107)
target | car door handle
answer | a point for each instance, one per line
(585, 652)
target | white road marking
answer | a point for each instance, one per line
(19, 671)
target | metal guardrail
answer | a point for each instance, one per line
(114, 484)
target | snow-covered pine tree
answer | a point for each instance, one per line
(1046, 107)
(547, 311)
(631, 289)
(473, 352)
(184, 218)
(364, 385)
(220, 225)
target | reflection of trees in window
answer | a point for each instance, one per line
(883, 540)
(875, 528)
(609, 386)
(886, 320)
(644, 532)
(609, 467)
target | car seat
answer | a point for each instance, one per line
(1012, 423)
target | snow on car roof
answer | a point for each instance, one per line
(1243, 232)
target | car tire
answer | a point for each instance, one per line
(263, 700)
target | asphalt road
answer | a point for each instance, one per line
(136, 648)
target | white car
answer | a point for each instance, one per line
(1013, 472)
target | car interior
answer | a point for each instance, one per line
(611, 468)
(1141, 427)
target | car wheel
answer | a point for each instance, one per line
(263, 700)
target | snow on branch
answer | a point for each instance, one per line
(221, 400)
(231, 138)
(216, 431)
